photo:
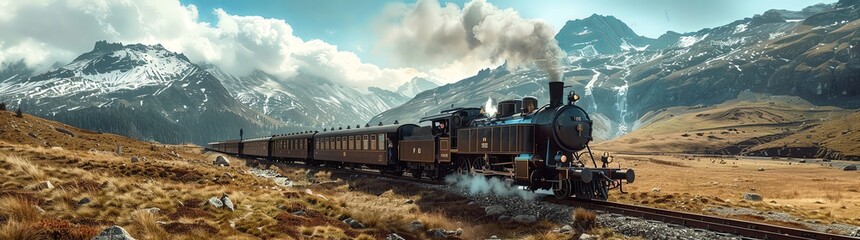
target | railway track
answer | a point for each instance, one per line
(692, 220)
(710, 223)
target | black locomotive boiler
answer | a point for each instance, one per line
(542, 147)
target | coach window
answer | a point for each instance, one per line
(364, 143)
(351, 143)
(381, 140)
(337, 143)
(357, 142)
(373, 142)
(343, 142)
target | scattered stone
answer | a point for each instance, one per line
(525, 218)
(84, 201)
(135, 159)
(437, 233)
(46, 185)
(215, 202)
(308, 191)
(221, 160)
(752, 197)
(32, 135)
(299, 213)
(656, 190)
(153, 210)
(227, 203)
(761, 169)
(587, 237)
(39, 209)
(856, 233)
(408, 201)
(118, 149)
(113, 233)
(495, 210)
(64, 131)
(394, 236)
(353, 223)
(416, 225)
(565, 229)
(472, 203)
(851, 167)
(802, 160)
(505, 219)
(174, 154)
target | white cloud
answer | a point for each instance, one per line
(455, 41)
(45, 32)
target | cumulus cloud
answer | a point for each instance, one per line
(478, 35)
(45, 32)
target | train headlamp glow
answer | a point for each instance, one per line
(606, 157)
(563, 158)
(573, 97)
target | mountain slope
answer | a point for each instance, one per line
(415, 86)
(141, 91)
(305, 101)
(599, 34)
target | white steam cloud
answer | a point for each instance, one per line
(490, 108)
(482, 185)
(428, 33)
(43, 33)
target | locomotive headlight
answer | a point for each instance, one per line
(563, 158)
(579, 127)
(572, 97)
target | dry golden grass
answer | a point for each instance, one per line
(807, 191)
(584, 220)
(18, 208)
(18, 230)
(24, 166)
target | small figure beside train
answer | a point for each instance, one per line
(536, 147)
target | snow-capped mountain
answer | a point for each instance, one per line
(136, 90)
(810, 53)
(415, 86)
(306, 101)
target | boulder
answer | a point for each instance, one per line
(656, 190)
(215, 202)
(32, 135)
(856, 233)
(394, 236)
(408, 201)
(135, 159)
(416, 225)
(495, 210)
(761, 169)
(851, 167)
(802, 160)
(565, 229)
(298, 213)
(505, 219)
(64, 131)
(525, 218)
(84, 201)
(118, 149)
(437, 233)
(153, 210)
(113, 233)
(752, 197)
(227, 203)
(587, 237)
(221, 160)
(46, 185)
(352, 223)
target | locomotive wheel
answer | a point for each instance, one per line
(463, 166)
(479, 164)
(562, 189)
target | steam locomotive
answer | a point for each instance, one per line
(536, 147)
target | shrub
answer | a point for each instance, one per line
(19, 113)
(2, 106)
(584, 220)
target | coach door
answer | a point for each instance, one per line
(444, 150)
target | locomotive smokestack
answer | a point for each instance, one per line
(556, 90)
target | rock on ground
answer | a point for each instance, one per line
(46, 185)
(64, 131)
(851, 167)
(227, 203)
(215, 202)
(84, 201)
(114, 233)
(495, 210)
(394, 236)
(525, 218)
(221, 160)
(353, 223)
(135, 159)
(752, 197)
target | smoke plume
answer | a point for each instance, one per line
(430, 34)
(482, 185)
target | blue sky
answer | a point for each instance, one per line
(349, 24)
